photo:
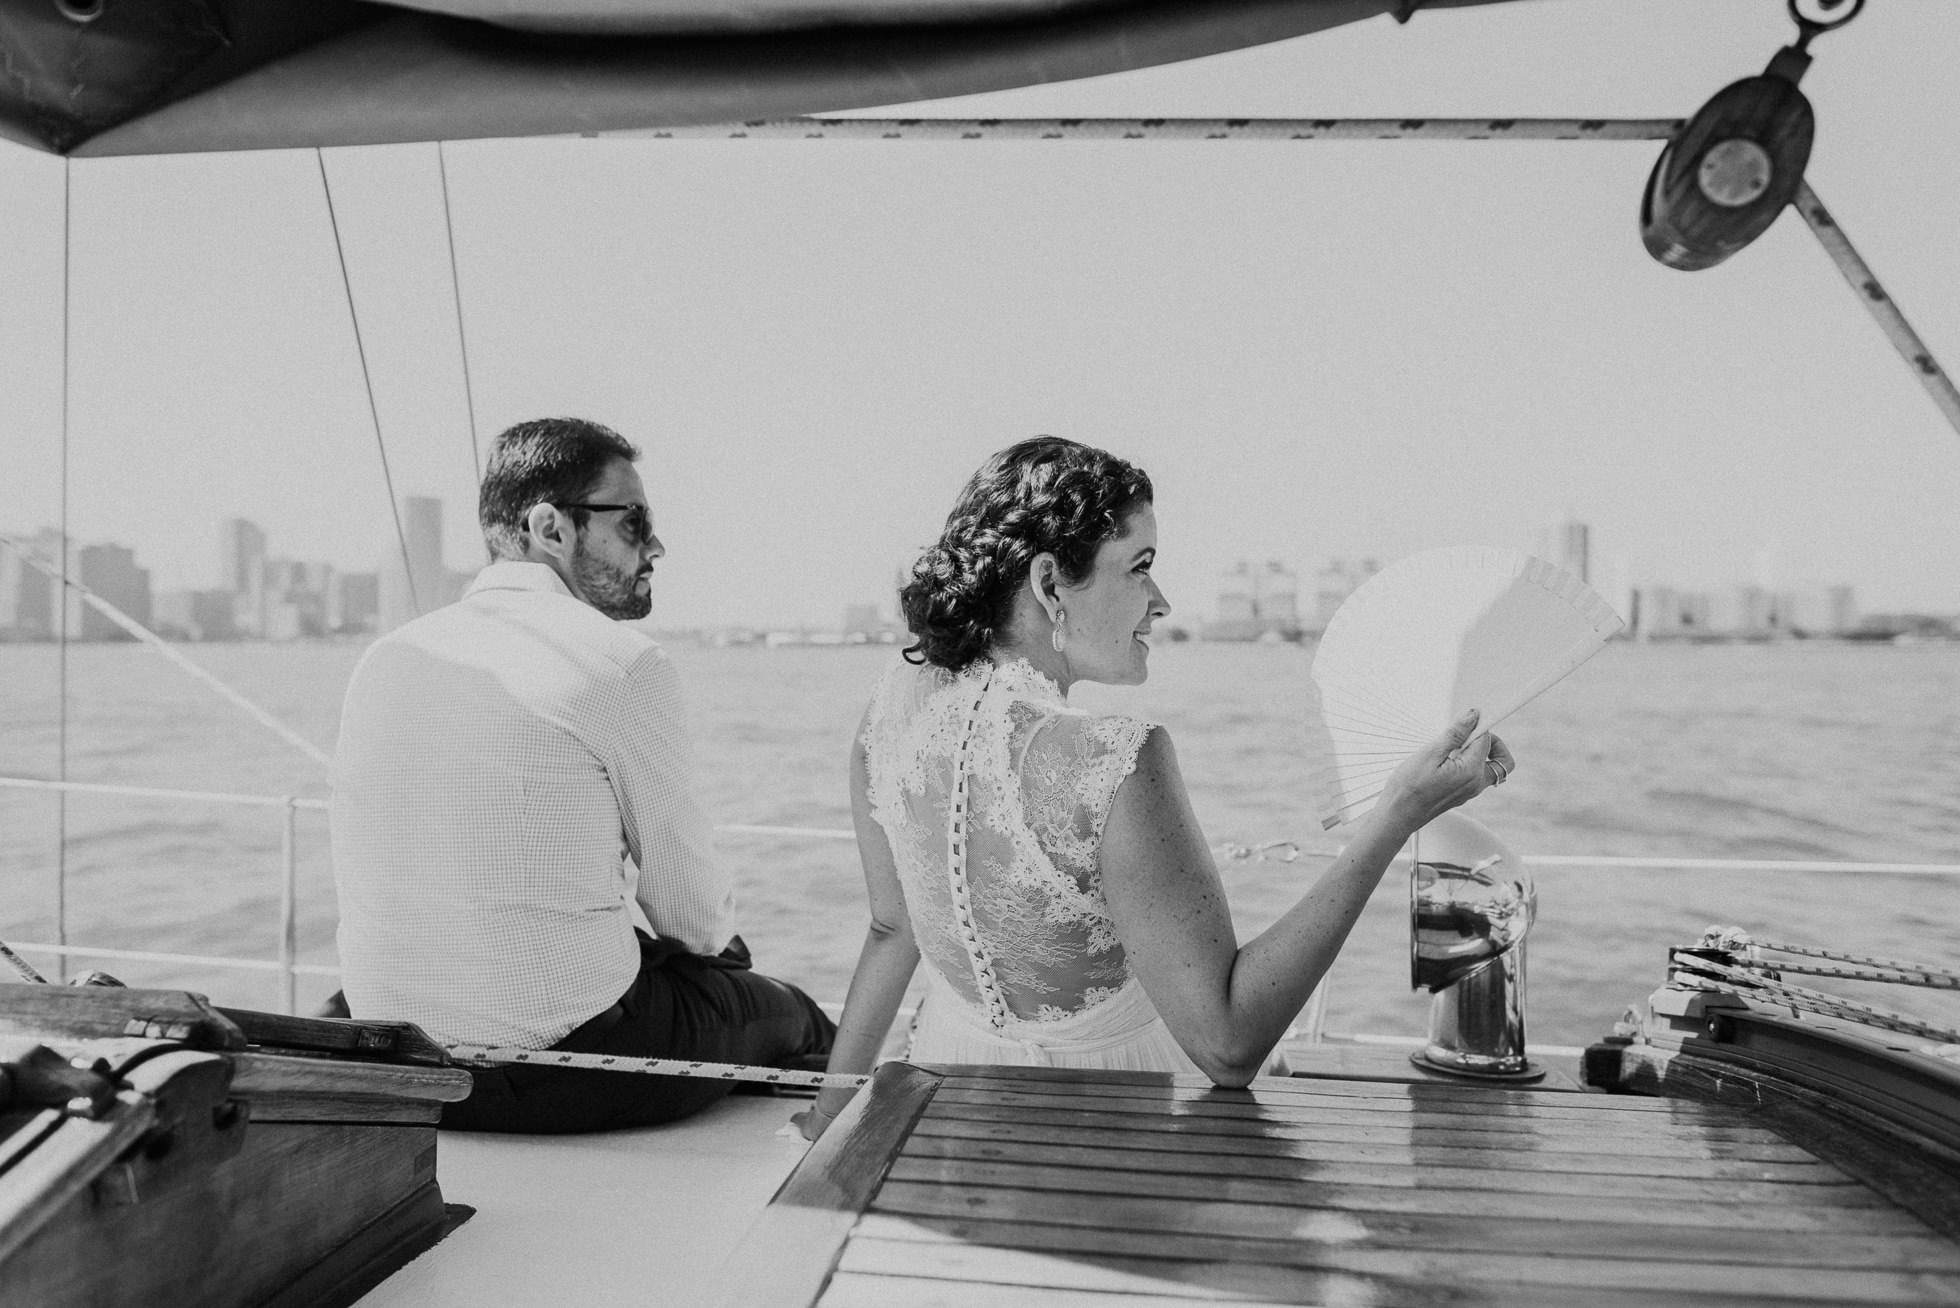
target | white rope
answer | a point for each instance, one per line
(1929, 978)
(1163, 129)
(506, 1056)
(1891, 319)
(1858, 959)
(169, 651)
(1742, 982)
(19, 965)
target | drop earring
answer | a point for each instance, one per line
(1060, 638)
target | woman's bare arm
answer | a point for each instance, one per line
(1226, 1005)
(885, 964)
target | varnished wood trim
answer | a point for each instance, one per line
(788, 1253)
(1907, 1177)
(268, 1074)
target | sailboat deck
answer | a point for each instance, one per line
(624, 1217)
(998, 1186)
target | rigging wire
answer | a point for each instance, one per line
(367, 380)
(61, 593)
(164, 647)
(456, 291)
(1884, 310)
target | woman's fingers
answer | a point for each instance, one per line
(1502, 754)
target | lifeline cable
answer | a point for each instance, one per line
(506, 1055)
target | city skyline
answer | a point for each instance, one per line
(262, 595)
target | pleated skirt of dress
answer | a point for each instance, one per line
(1123, 1032)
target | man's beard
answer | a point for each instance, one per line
(611, 590)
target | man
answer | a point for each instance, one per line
(499, 761)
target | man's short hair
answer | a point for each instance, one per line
(543, 461)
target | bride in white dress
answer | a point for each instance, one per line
(1044, 861)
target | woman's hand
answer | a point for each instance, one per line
(816, 1119)
(1449, 770)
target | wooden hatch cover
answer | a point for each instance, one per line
(1360, 1182)
(155, 1149)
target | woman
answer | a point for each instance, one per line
(1046, 861)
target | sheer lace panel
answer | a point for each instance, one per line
(1040, 780)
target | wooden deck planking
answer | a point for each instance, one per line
(1226, 1206)
(1325, 1273)
(1569, 1136)
(1275, 1088)
(874, 1290)
(1059, 1169)
(1623, 1113)
(1499, 1113)
(1046, 1187)
(1299, 1161)
(1136, 1254)
(1521, 1159)
(1375, 1290)
(856, 1290)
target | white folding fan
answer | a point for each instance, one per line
(1429, 637)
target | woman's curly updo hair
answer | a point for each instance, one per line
(1043, 496)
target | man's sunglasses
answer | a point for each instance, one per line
(638, 522)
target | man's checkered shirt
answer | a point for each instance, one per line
(499, 761)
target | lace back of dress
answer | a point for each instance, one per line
(993, 793)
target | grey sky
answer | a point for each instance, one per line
(1316, 349)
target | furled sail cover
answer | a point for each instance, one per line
(1429, 637)
(108, 77)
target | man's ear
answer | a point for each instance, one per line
(550, 530)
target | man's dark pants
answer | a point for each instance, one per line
(682, 1005)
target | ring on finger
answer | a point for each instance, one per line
(1497, 773)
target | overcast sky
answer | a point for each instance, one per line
(1316, 349)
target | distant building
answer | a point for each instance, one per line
(27, 594)
(1575, 550)
(1333, 584)
(353, 601)
(110, 572)
(1257, 604)
(864, 625)
(425, 584)
(1237, 597)
(241, 573)
(1743, 612)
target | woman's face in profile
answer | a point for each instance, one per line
(1111, 612)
